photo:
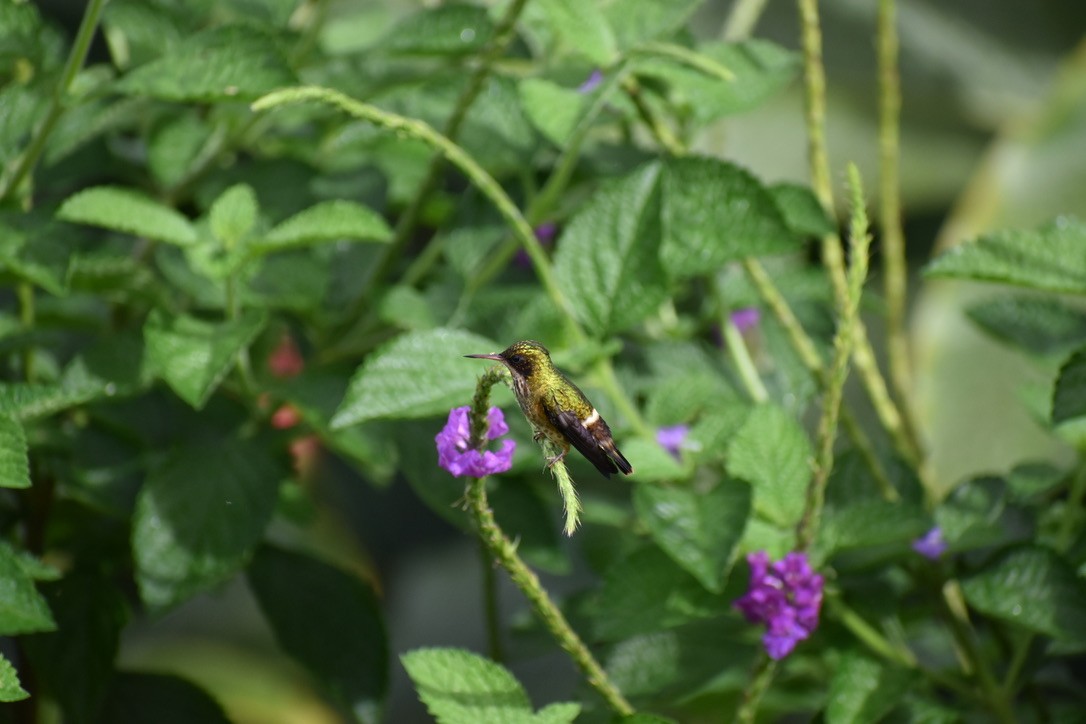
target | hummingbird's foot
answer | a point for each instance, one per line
(555, 458)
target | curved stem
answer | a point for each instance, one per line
(742, 18)
(759, 682)
(76, 57)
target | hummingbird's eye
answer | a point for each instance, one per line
(516, 359)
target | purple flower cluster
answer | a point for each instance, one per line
(746, 318)
(786, 596)
(454, 451)
(931, 545)
(672, 437)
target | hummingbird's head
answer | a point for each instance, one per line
(522, 358)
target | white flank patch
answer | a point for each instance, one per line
(591, 419)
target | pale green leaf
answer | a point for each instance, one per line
(1051, 258)
(698, 530)
(200, 515)
(772, 453)
(552, 109)
(326, 221)
(22, 608)
(638, 21)
(608, 259)
(14, 463)
(653, 463)
(459, 687)
(449, 29)
(122, 209)
(1032, 587)
(418, 374)
(1035, 325)
(10, 690)
(581, 28)
(864, 689)
(30, 401)
(173, 148)
(230, 62)
(193, 356)
(802, 211)
(233, 214)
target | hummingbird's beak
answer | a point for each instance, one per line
(493, 356)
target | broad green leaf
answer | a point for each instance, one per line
(407, 308)
(560, 712)
(31, 401)
(581, 28)
(759, 68)
(652, 463)
(10, 690)
(122, 209)
(450, 29)
(714, 212)
(22, 608)
(608, 260)
(137, 698)
(233, 214)
(865, 524)
(552, 109)
(233, 62)
(1035, 325)
(416, 375)
(1051, 258)
(772, 453)
(1069, 396)
(138, 32)
(802, 212)
(630, 601)
(330, 622)
(75, 663)
(173, 148)
(698, 530)
(977, 515)
(864, 689)
(1033, 587)
(637, 21)
(199, 516)
(326, 221)
(14, 463)
(36, 255)
(193, 356)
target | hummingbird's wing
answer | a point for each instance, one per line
(593, 440)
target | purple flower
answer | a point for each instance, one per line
(592, 82)
(786, 596)
(672, 437)
(931, 545)
(746, 318)
(545, 232)
(455, 455)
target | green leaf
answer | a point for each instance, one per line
(22, 608)
(137, 698)
(122, 209)
(1051, 258)
(865, 524)
(14, 463)
(802, 211)
(552, 109)
(772, 453)
(418, 374)
(608, 263)
(193, 356)
(330, 622)
(459, 687)
(326, 221)
(233, 214)
(10, 690)
(759, 68)
(976, 515)
(652, 463)
(864, 690)
(581, 28)
(74, 665)
(174, 147)
(234, 62)
(714, 212)
(637, 21)
(1069, 396)
(1033, 587)
(449, 29)
(28, 402)
(1035, 325)
(630, 601)
(698, 530)
(199, 516)
(39, 256)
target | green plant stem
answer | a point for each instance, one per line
(490, 606)
(833, 257)
(76, 57)
(740, 356)
(843, 342)
(868, 634)
(893, 235)
(760, 679)
(405, 226)
(742, 18)
(660, 130)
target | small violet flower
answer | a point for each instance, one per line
(672, 437)
(746, 318)
(455, 454)
(545, 233)
(931, 545)
(592, 82)
(786, 596)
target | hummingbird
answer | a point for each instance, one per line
(557, 409)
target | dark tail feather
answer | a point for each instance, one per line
(623, 464)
